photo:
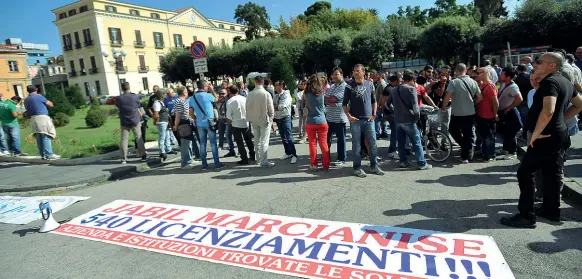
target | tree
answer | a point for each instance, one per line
(75, 96)
(461, 35)
(374, 12)
(237, 39)
(296, 29)
(487, 8)
(373, 46)
(271, 34)
(317, 7)
(177, 66)
(255, 17)
(405, 38)
(60, 101)
(417, 16)
(502, 11)
(280, 69)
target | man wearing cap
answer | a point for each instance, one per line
(42, 125)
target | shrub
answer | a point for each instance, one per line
(95, 102)
(114, 111)
(60, 119)
(95, 118)
(75, 97)
(281, 69)
(60, 101)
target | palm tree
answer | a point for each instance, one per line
(374, 12)
(487, 8)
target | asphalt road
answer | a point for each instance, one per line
(451, 198)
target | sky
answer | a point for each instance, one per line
(32, 20)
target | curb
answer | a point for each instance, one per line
(113, 175)
(571, 189)
(72, 162)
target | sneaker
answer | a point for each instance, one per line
(377, 171)
(286, 156)
(518, 221)
(123, 162)
(268, 165)
(4, 153)
(53, 157)
(173, 152)
(404, 165)
(425, 167)
(339, 163)
(144, 158)
(312, 169)
(511, 156)
(294, 160)
(21, 154)
(393, 155)
(219, 167)
(188, 167)
(230, 154)
(359, 173)
(464, 161)
(163, 156)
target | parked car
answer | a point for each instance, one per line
(111, 100)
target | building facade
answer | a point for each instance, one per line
(14, 69)
(92, 31)
(37, 53)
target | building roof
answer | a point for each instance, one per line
(7, 48)
(182, 10)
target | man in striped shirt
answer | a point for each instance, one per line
(336, 118)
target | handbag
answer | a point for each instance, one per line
(212, 123)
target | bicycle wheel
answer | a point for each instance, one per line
(438, 146)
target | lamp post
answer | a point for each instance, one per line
(41, 80)
(116, 54)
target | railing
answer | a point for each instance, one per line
(73, 74)
(121, 70)
(116, 43)
(67, 48)
(88, 43)
(159, 45)
(143, 69)
(83, 72)
(93, 70)
(78, 46)
(140, 44)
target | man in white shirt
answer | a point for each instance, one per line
(236, 115)
(509, 119)
(260, 112)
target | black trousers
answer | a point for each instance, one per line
(486, 130)
(241, 134)
(547, 155)
(461, 129)
(510, 125)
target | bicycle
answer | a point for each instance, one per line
(437, 144)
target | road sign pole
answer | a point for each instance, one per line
(479, 59)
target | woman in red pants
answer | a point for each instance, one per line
(316, 124)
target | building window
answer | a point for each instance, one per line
(159, 40)
(82, 67)
(164, 83)
(73, 72)
(223, 42)
(87, 37)
(13, 65)
(138, 41)
(221, 26)
(146, 86)
(83, 9)
(72, 12)
(62, 15)
(142, 65)
(161, 59)
(232, 28)
(115, 36)
(87, 89)
(67, 42)
(195, 38)
(18, 90)
(98, 88)
(209, 41)
(77, 41)
(178, 40)
(156, 16)
(93, 64)
(111, 9)
(134, 12)
(122, 81)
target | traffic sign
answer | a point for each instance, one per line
(478, 47)
(200, 65)
(198, 49)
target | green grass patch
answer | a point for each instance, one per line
(76, 140)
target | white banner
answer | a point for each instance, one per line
(23, 210)
(299, 247)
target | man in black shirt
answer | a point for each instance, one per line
(547, 146)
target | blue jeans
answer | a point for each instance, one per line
(164, 142)
(2, 141)
(185, 153)
(285, 130)
(393, 134)
(339, 129)
(204, 133)
(12, 135)
(43, 142)
(367, 128)
(380, 125)
(193, 144)
(410, 131)
(224, 127)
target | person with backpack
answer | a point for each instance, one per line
(161, 116)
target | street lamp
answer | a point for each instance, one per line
(41, 80)
(116, 54)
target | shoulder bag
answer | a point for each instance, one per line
(212, 123)
(184, 128)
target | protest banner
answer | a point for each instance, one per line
(23, 210)
(300, 247)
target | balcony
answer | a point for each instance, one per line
(159, 45)
(78, 45)
(88, 43)
(121, 69)
(83, 72)
(68, 48)
(180, 46)
(93, 71)
(139, 44)
(73, 74)
(116, 43)
(143, 69)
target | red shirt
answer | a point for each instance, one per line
(421, 92)
(485, 107)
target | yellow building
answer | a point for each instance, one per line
(13, 71)
(93, 30)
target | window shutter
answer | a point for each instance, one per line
(110, 34)
(138, 35)
(119, 31)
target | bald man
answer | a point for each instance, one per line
(527, 62)
(547, 146)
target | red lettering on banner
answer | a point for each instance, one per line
(284, 230)
(173, 216)
(383, 241)
(345, 233)
(149, 212)
(404, 241)
(438, 247)
(211, 219)
(129, 211)
(115, 209)
(241, 222)
(267, 224)
(461, 246)
(317, 231)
